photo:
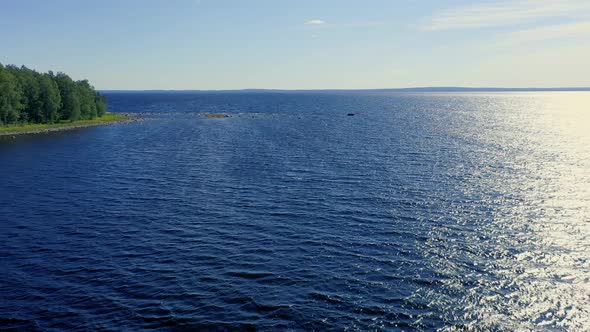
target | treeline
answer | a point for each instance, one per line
(27, 96)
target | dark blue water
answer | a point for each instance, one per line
(421, 212)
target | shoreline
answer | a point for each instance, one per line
(48, 128)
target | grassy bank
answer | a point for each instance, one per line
(43, 127)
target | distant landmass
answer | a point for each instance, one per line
(419, 89)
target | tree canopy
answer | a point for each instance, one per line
(27, 96)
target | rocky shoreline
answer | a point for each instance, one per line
(64, 128)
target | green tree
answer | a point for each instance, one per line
(50, 99)
(29, 96)
(10, 97)
(70, 101)
(87, 102)
(101, 104)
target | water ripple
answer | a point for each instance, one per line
(422, 212)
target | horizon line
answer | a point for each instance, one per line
(411, 89)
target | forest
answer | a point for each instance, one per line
(27, 96)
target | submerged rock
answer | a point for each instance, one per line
(214, 115)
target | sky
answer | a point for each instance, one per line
(301, 44)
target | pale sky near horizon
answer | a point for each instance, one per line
(301, 44)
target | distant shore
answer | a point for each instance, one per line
(400, 90)
(40, 128)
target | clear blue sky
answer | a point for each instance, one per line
(308, 44)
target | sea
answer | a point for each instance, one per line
(303, 211)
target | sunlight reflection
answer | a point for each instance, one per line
(531, 269)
